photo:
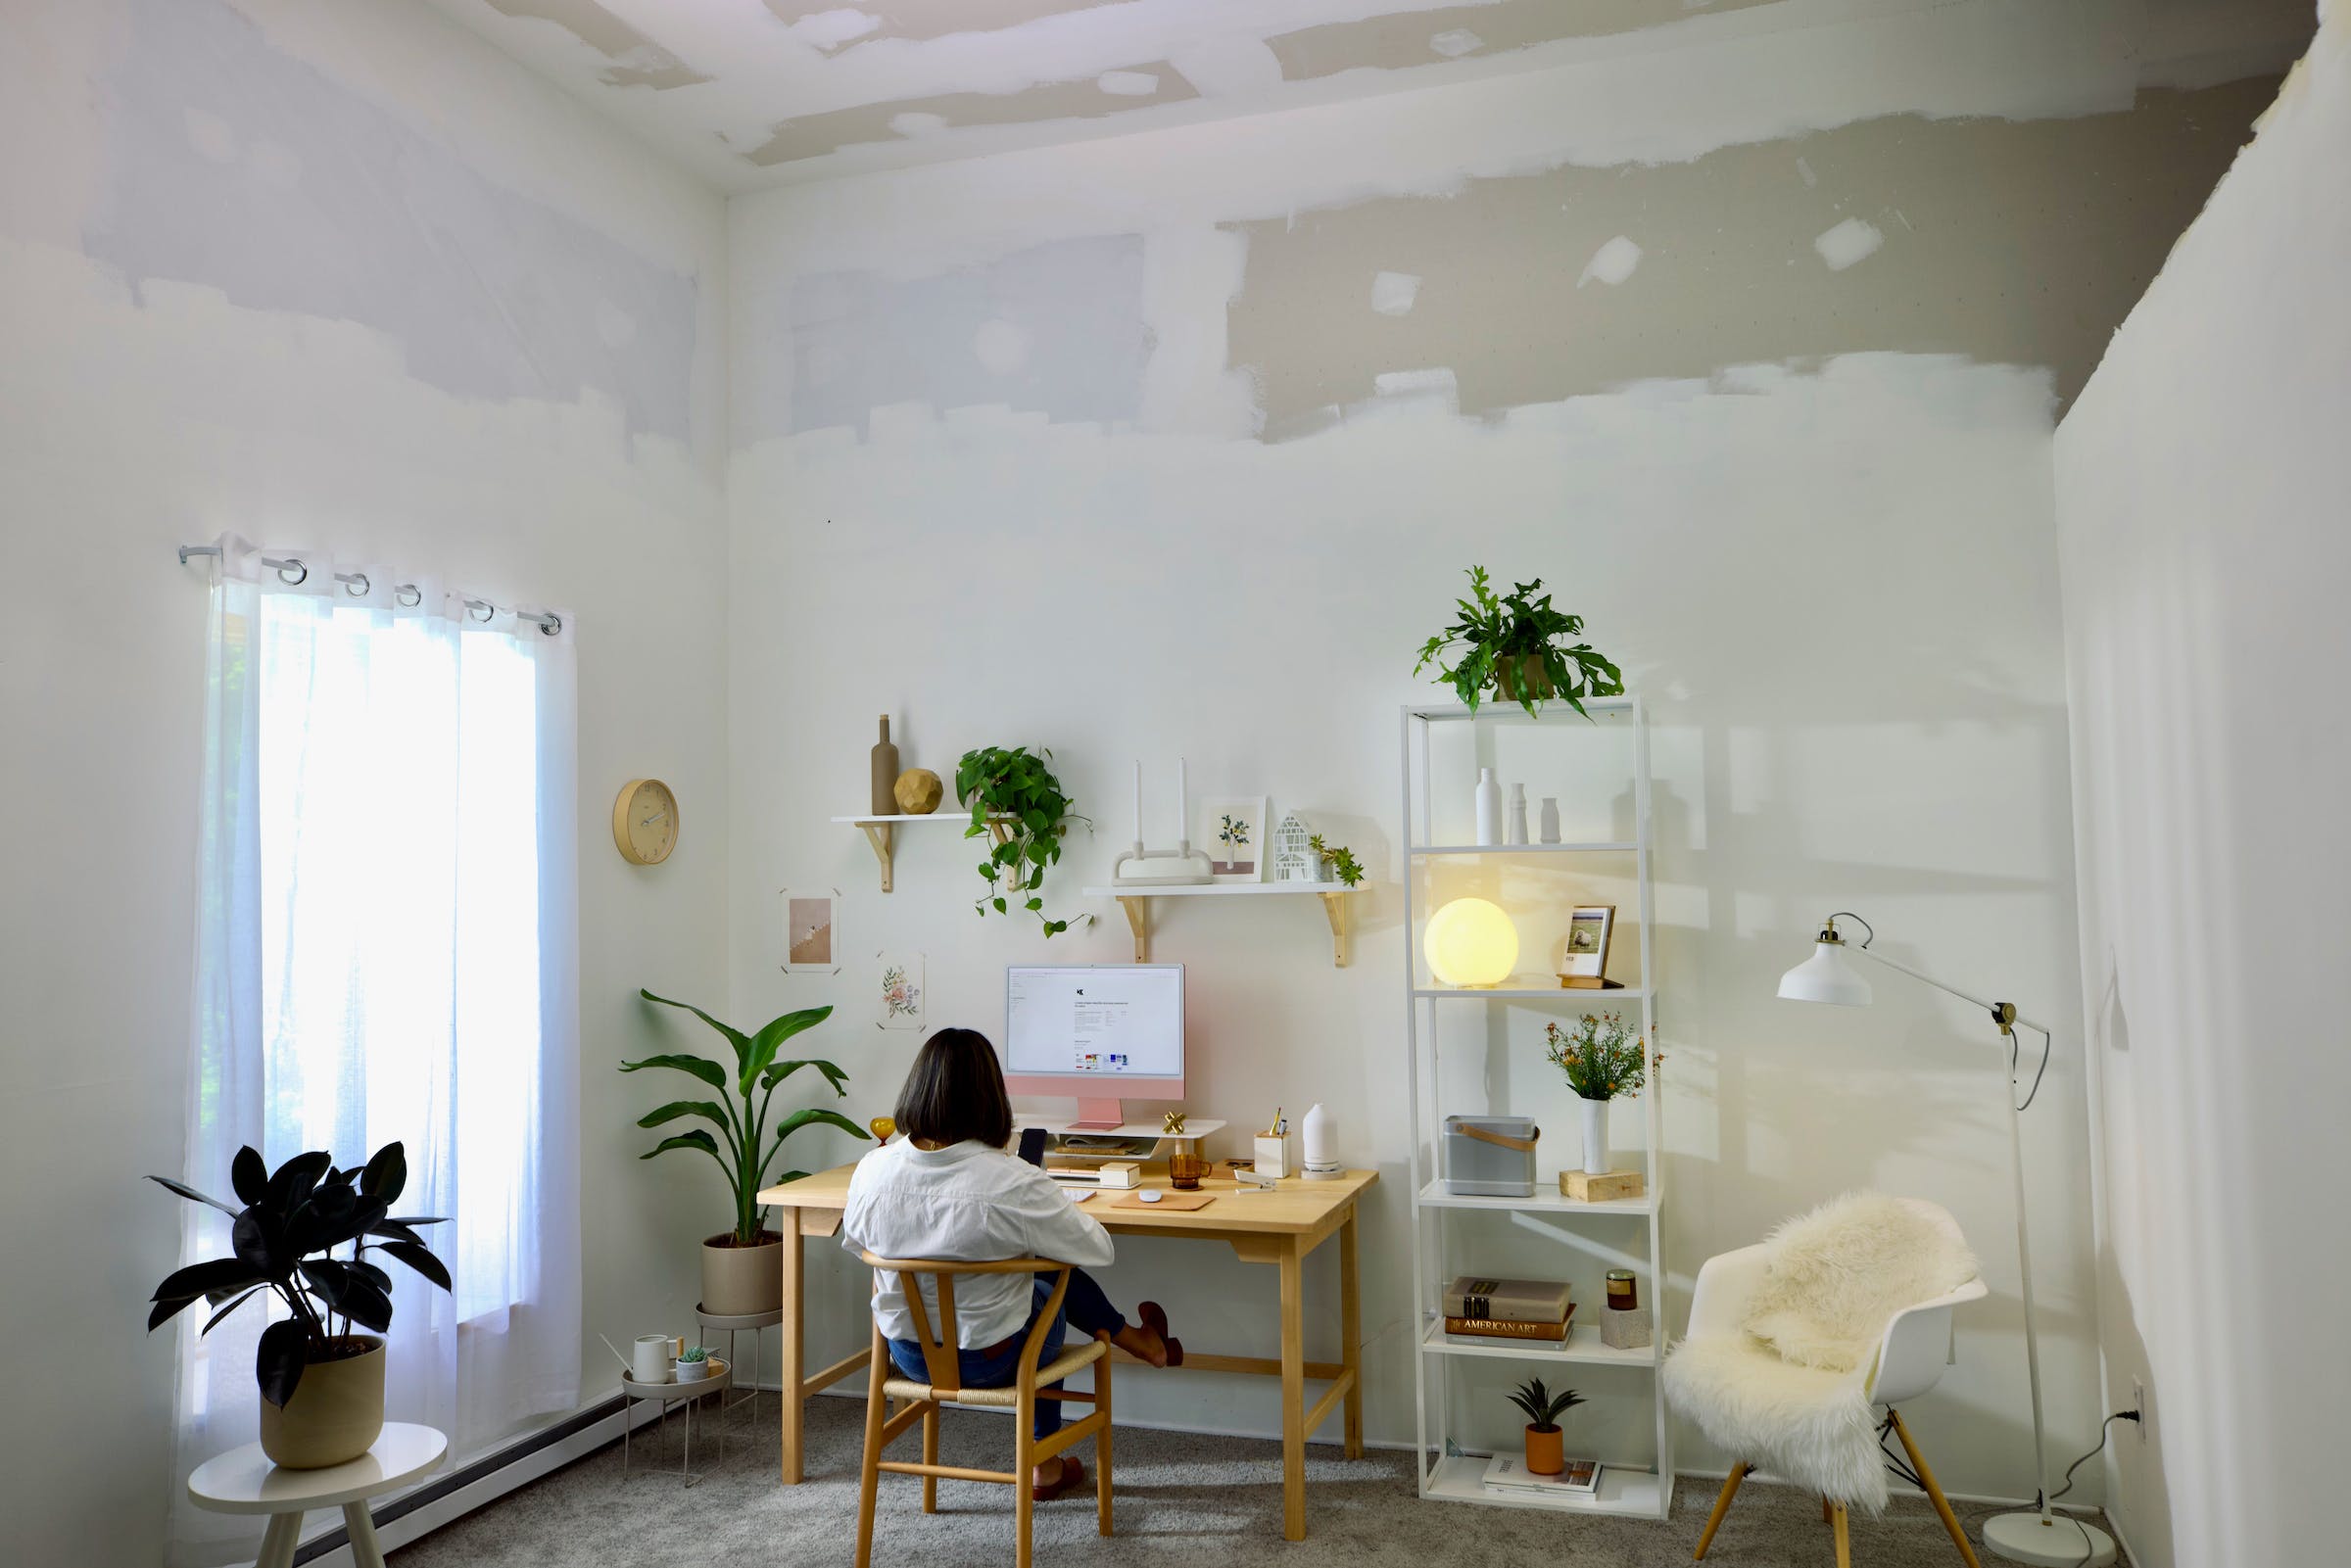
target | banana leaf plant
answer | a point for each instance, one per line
(741, 1145)
(283, 1240)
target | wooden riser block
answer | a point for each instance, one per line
(1578, 1187)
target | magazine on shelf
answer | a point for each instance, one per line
(1507, 1475)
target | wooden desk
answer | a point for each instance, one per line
(1277, 1227)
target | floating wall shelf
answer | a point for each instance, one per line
(877, 831)
(1136, 902)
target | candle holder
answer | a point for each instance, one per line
(1181, 867)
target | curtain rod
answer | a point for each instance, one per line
(294, 571)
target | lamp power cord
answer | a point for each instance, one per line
(1972, 1515)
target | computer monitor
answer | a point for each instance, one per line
(1098, 1032)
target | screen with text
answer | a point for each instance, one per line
(1119, 1022)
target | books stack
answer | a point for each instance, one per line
(1506, 1476)
(1533, 1312)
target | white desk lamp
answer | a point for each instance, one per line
(2038, 1536)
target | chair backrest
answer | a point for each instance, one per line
(942, 1361)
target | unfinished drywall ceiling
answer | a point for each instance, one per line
(750, 92)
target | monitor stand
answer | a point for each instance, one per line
(1098, 1116)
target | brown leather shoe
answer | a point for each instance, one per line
(1154, 1318)
(1072, 1476)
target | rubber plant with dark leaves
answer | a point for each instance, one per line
(286, 1225)
(742, 1146)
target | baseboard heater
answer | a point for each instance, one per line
(451, 1497)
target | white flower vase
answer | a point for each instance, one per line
(1596, 1136)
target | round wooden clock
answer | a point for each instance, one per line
(645, 822)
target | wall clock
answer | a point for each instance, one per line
(645, 822)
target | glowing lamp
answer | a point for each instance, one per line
(1471, 942)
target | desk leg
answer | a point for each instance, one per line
(787, 1378)
(278, 1541)
(1351, 1335)
(1293, 1396)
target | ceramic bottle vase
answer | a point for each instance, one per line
(886, 774)
(1596, 1136)
(1516, 830)
(1489, 807)
(1550, 819)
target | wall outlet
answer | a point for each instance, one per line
(2146, 1411)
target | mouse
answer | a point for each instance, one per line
(1150, 1195)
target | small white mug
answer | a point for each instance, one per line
(656, 1354)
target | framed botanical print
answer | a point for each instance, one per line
(1231, 831)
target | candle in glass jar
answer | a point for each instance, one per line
(1623, 1294)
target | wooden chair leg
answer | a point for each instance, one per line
(1024, 1496)
(869, 1477)
(930, 1456)
(1722, 1505)
(1845, 1545)
(1827, 1509)
(1102, 1445)
(1943, 1505)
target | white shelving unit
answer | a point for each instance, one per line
(1625, 1489)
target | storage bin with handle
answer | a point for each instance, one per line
(1490, 1156)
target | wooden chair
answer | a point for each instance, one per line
(1031, 1386)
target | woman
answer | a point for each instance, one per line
(947, 1189)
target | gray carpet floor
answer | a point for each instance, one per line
(1178, 1500)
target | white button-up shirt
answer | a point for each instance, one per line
(966, 1203)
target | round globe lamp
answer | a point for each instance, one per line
(1470, 943)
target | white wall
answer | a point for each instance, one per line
(2200, 485)
(346, 279)
(1005, 468)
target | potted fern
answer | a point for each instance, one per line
(1546, 1443)
(741, 1268)
(1515, 644)
(321, 1382)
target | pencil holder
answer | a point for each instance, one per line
(1273, 1157)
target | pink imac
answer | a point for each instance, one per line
(1103, 1032)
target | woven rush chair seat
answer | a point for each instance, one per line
(1073, 1358)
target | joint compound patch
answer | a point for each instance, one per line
(1853, 240)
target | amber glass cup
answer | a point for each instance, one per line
(1186, 1170)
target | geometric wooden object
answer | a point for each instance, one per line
(1578, 1187)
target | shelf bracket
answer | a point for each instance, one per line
(1334, 906)
(877, 833)
(1138, 917)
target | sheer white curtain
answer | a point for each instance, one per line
(387, 948)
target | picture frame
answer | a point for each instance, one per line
(1584, 951)
(1230, 830)
(811, 930)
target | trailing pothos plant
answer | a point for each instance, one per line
(1014, 795)
(288, 1221)
(741, 1145)
(1512, 644)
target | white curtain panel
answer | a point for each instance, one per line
(388, 949)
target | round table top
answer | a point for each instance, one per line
(721, 1376)
(244, 1481)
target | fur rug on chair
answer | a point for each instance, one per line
(1792, 1390)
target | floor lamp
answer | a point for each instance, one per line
(2039, 1535)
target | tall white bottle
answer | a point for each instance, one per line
(1489, 807)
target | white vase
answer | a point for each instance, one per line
(1596, 1136)
(1550, 819)
(1515, 831)
(1489, 807)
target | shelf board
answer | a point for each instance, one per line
(879, 830)
(1136, 902)
(1531, 992)
(960, 819)
(1593, 847)
(1635, 1494)
(1506, 709)
(1435, 1196)
(1583, 1345)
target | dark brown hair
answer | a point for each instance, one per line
(954, 1091)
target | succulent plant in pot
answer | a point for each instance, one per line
(321, 1382)
(1514, 645)
(742, 1272)
(1546, 1443)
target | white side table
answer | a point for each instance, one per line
(244, 1481)
(733, 1324)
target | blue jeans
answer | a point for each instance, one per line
(1084, 1307)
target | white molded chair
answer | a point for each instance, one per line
(1915, 1347)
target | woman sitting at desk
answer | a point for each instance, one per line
(947, 1189)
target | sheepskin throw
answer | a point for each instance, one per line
(1837, 1273)
(1790, 1391)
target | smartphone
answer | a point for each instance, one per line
(1032, 1145)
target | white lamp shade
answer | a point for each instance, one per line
(1471, 942)
(1826, 976)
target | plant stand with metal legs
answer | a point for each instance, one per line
(721, 1378)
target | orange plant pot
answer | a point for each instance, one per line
(1546, 1451)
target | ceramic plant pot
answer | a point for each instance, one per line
(1546, 1449)
(335, 1415)
(1521, 675)
(738, 1281)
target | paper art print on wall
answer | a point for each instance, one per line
(812, 931)
(1232, 829)
(897, 990)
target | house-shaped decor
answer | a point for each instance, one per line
(1294, 858)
